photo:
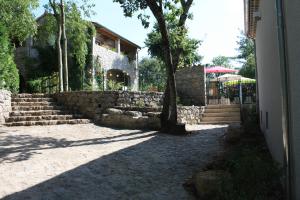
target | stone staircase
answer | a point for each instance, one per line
(222, 114)
(40, 109)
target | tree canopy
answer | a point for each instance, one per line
(222, 61)
(246, 56)
(179, 39)
(17, 17)
(152, 74)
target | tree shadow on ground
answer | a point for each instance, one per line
(153, 169)
(14, 148)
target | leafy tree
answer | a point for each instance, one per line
(246, 56)
(17, 23)
(159, 9)
(18, 19)
(9, 78)
(79, 33)
(59, 9)
(179, 40)
(222, 61)
(152, 74)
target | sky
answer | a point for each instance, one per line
(216, 22)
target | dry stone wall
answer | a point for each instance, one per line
(94, 104)
(5, 105)
(190, 84)
(190, 114)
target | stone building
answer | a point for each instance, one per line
(117, 56)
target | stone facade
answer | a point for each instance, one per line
(5, 105)
(94, 104)
(190, 114)
(190, 84)
(112, 60)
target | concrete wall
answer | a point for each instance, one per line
(269, 81)
(5, 105)
(112, 60)
(190, 84)
(292, 20)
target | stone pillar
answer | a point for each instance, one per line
(5, 105)
(94, 83)
(118, 46)
(136, 71)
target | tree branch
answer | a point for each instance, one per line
(186, 5)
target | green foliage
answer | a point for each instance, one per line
(254, 175)
(179, 40)
(152, 74)
(246, 56)
(114, 86)
(9, 77)
(79, 34)
(222, 61)
(45, 84)
(17, 17)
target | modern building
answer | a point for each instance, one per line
(116, 55)
(275, 28)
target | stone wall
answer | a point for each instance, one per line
(94, 104)
(5, 105)
(190, 114)
(191, 86)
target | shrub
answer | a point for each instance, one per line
(9, 76)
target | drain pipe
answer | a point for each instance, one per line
(287, 138)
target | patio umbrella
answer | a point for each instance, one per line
(227, 77)
(219, 69)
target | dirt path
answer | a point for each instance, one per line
(88, 162)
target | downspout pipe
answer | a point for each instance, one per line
(286, 123)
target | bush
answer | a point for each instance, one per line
(9, 76)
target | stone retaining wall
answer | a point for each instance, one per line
(190, 114)
(190, 82)
(5, 105)
(94, 104)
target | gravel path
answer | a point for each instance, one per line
(88, 162)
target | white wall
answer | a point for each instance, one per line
(269, 82)
(292, 20)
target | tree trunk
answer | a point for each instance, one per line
(58, 45)
(65, 47)
(169, 112)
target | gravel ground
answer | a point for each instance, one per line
(88, 162)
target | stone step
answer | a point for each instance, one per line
(222, 114)
(43, 118)
(140, 109)
(38, 113)
(36, 95)
(220, 106)
(31, 108)
(49, 122)
(33, 100)
(220, 119)
(43, 103)
(222, 122)
(221, 110)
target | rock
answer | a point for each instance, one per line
(153, 114)
(133, 113)
(114, 111)
(207, 183)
